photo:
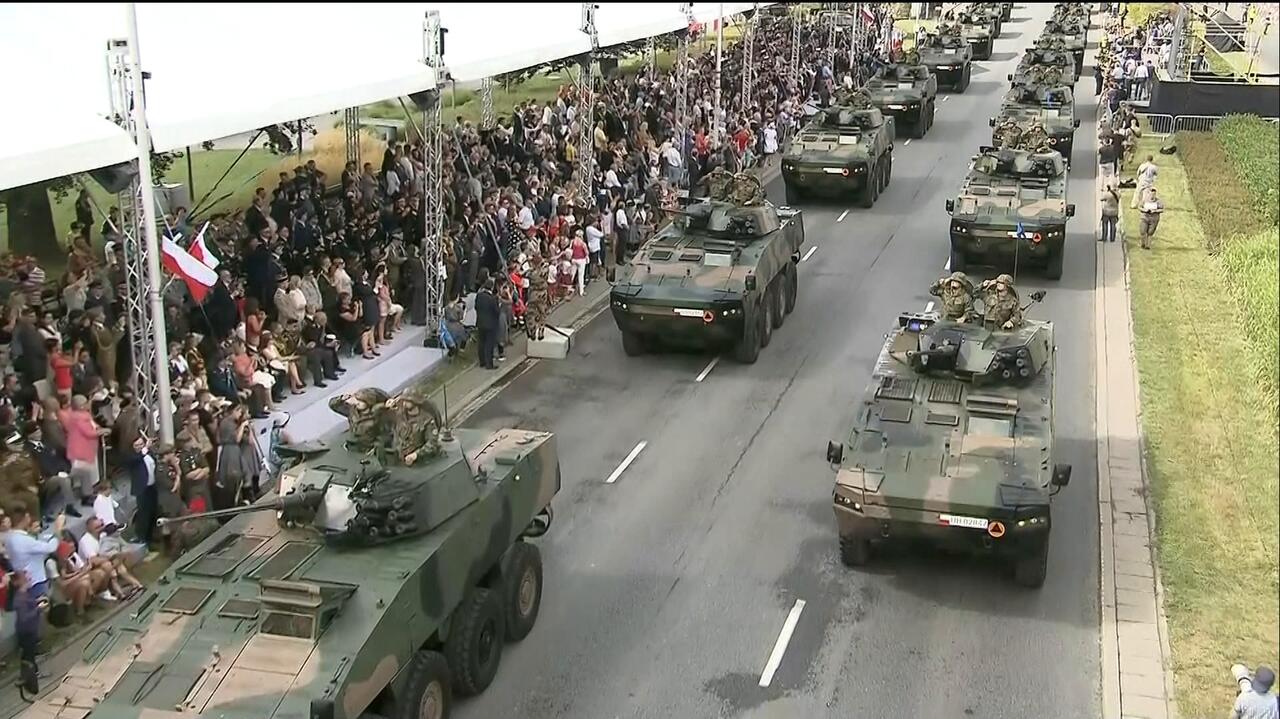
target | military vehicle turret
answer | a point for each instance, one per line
(382, 581)
(722, 273)
(907, 91)
(979, 30)
(1052, 106)
(1012, 206)
(1051, 51)
(1072, 38)
(953, 442)
(948, 56)
(845, 148)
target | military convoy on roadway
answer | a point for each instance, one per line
(948, 56)
(382, 580)
(906, 90)
(846, 148)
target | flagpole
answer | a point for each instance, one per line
(164, 412)
(716, 124)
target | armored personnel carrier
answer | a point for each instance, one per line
(1072, 37)
(722, 273)
(1052, 107)
(845, 148)
(1012, 206)
(1042, 75)
(907, 91)
(947, 56)
(1051, 52)
(953, 442)
(979, 30)
(381, 581)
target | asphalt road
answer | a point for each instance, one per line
(667, 589)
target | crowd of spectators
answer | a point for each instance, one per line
(318, 270)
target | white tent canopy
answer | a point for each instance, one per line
(222, 69)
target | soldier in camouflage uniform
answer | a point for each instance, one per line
(718, 181)
(19, 479)
(539, 302)
(364, 410)
(1000, 302)
(415, 427)
(1008, 134)
(745, 190)
(956, 293)
(1036, 139)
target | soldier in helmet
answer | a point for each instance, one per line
(415, 428)
(539, 302)
(364, 410)
(956, 293)
(1008, 134)
(1000, 302)
(746, 190)
(718, 183)
(1036, 139)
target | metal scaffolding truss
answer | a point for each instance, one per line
(351, 124)
(748, 60)
(487, 118)
(143, 309)
(832, 23)
(682, 83)
(585, 83)
(433, 159)
(795, 74)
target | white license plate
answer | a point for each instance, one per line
(831, 170)
(687, 313)
(952, 520)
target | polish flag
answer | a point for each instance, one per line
(198, 276)
(868, 17)
(200, 250)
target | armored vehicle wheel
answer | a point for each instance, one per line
(523, 590)
(765, 310)
(778, 308)
(888, 169)
(871, 190)
(958, 261)
(1030, 571)
(855, 551)
(747, 350)
(793, 287)
(632, 344)
(921, 125)
(427, 694)
(474, 646)
(964, 79)
(1053, 270)
(794, 194)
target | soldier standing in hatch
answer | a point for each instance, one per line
(1000, 302)
(414, 438)
(539, 298)
(956, 293)
(364, 410)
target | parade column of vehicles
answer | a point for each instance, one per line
(846, 148)
(382, 581)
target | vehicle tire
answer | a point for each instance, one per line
(793, 194)
(523, 590)
(855, 551)
(958, 261)
(427, 693)
(870, 189)
(766, 315)
(1030, 571)
(778, 308)
(1053, 270)
(888, 170)
(922, 125)
(632, 344)
(747, 349)
(474, 646)
(793, 288)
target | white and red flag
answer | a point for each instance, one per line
(200, 250)
(198, 276)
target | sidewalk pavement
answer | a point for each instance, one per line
(1137, 678)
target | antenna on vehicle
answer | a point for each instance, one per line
(445, 434)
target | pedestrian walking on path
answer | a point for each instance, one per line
(1151, 209)
(1147, 173)
(1110, 200)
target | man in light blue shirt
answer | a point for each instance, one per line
(27, 553)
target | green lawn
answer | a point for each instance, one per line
(1211, 448)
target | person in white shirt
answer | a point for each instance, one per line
(1147, 172)
(105, 506)
(524, 220)
(770, 138)
(27, 553)
(393, 183)
(91, 548)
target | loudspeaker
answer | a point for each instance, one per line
(115, 178)
(426, 99)
(608, 66)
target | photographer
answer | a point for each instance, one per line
(238, 462)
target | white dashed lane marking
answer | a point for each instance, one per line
(809, 254)
(707, 370)
(626, 463)
(842, 216)
(780, 646)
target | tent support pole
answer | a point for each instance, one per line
(433, 190)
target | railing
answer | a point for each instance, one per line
(1159, 124)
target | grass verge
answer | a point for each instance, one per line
(1211, 452)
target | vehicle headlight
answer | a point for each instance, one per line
(1033, 522)
(959, 228)
(844, 501)
(731, 312)
(620, 304)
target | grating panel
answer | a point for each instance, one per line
(186, 600)
(896, 413)
(949, 420)
(239, 609)
(896, 388)
(285, 560)
(948, 392)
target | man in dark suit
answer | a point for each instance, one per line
(142, 483)
(487, 324)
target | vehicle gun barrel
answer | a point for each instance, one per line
(305, 500)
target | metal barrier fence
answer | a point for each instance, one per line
(1161, 125)
(1158, 125)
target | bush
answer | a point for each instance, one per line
(1253, 273)
(1224, 208)
(1253, 147)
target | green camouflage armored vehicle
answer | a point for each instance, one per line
(948, 56)
(953, 443)
(1072, 38)
(1053, 107)
(1043, 75)
(979, 30)
(845, 148)
(1012, 206)
(989, 12)
(377, 583)
(907, 91)
(1051, 52)
(722, 273)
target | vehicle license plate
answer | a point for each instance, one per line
(952, 520)
(687, 313)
